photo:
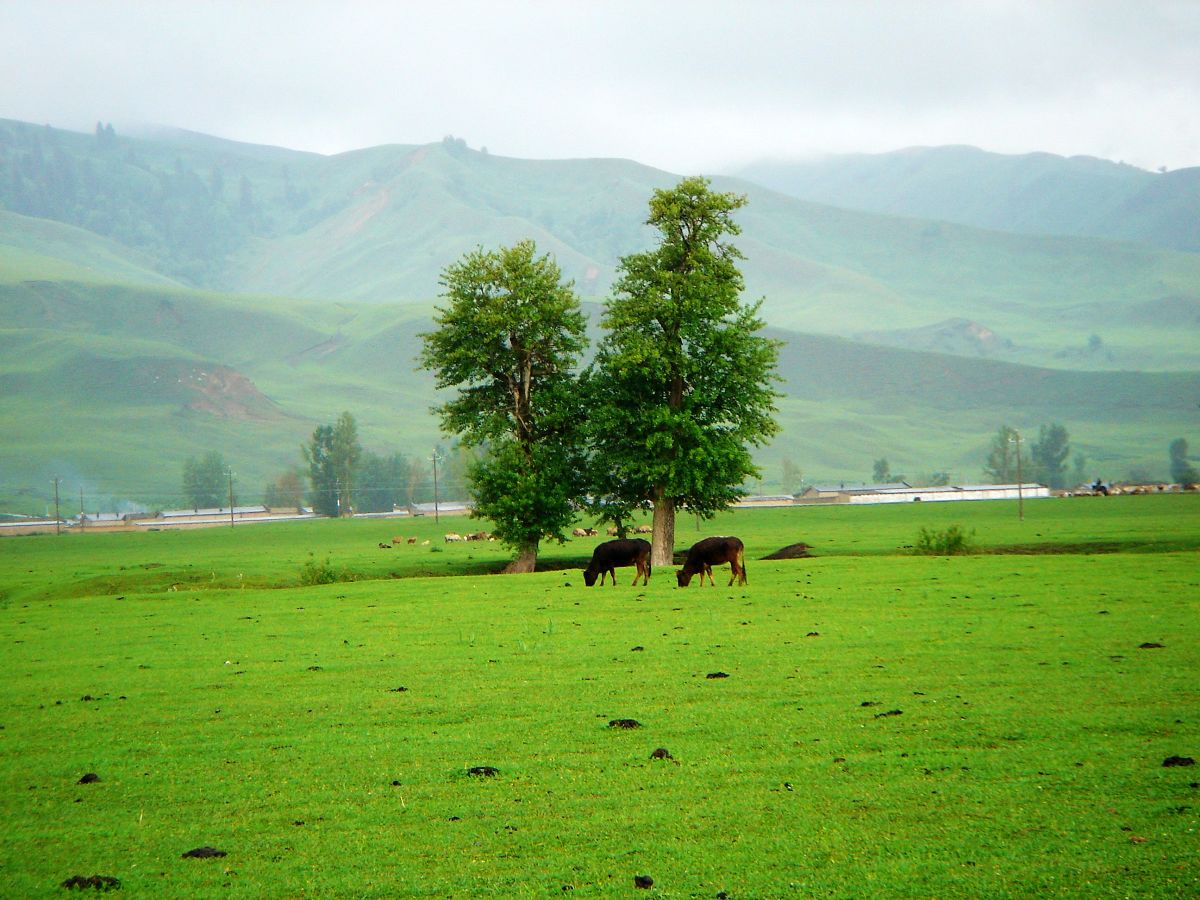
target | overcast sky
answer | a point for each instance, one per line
(689, 86)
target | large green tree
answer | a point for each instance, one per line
(508, 341)
(683, 380)
(206, 481)
(346, 454)
(382, 482)
(318, 454)
(1049, 455)
(332, 454)
(1002, 466)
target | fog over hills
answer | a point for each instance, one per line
(171, 293)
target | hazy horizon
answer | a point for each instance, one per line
(701, 86)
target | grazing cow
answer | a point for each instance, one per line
(397, 540)
(644, 529)
(710, 552)
(579, 532)
(610, 555)
(590, 532)
(452, 537)
(412, 540)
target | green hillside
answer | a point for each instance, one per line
(170, 294)
(1034, 193)
(113, 387)
(379, 225)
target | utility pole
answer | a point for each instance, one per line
(57, 521)
(435, 459)
(1016, 440)
(82, 518)
(230, 472)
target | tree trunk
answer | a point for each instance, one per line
(662, 544)
(526, 561)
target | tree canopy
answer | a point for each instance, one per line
(682, 380)
(508, 341)
(205, 481)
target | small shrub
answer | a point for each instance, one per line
(950, 542)
(318, 572)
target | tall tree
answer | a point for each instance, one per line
(683, 379)
(790, 476)
(382, 482)
(286, 491)
(206, 481)
(322, 477)
(508, 340)
(1182, 471)
(1002, 466)
(346, 452)
(1049, 455)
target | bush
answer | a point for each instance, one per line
(950, 542)
(314, 572)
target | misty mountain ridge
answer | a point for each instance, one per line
(380, 224)
(162, 296)
(1032, 193)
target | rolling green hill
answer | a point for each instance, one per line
(166, 295)
(379, 225)
(112, 387)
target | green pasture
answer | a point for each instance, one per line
(988, 725)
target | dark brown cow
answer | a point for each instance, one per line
(610, 555)
(710, 552)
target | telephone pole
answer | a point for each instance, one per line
(1020, 488)
(435, 459)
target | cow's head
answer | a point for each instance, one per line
(589, 577)
(684, 577)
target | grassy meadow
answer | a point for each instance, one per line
(864, 722)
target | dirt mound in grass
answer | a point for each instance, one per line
(792, 551)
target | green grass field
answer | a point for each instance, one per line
(986, 725)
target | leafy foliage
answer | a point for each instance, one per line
(319, 571)
(1003, 463)
(1049, 455)
(322, 474)
(384, 482)
(507, 341)
(682, 378)
(950, 541)
(205, 481)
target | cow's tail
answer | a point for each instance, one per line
(741, 554)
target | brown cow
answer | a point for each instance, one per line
(710, 552)
(612, 554)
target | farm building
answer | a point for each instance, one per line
(905, 493)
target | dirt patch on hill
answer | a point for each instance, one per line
(228, 394)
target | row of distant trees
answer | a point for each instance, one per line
(337, 476)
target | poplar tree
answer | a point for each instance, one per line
(507, 341)
(682, 382)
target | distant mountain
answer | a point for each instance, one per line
(1035, 193)
(165, 295)
(379, 225)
